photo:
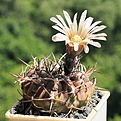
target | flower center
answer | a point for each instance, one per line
(76, 38)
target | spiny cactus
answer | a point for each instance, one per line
(63, 86)
(46, 86)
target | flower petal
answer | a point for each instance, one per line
(98, 35)
(86, 49)
(85, 27)
(86, 40)
(84, 33)
(88, 22)
(73, 30)
(82, 19)
(67, 31)
(76, 46)
(75, 18)
(99, 38)
(53, 19)
(97, 28)
(94, 24)
(68, 19)
(58, 28)
(75, 24)
(59, 37)
(62, 20)
(96, 44)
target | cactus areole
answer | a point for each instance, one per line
(63, 85)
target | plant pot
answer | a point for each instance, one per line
(99, 113)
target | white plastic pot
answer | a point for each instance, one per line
(99, 113)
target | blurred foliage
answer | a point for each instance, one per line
(25, 30)
(116, 118)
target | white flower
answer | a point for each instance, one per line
(78, 35)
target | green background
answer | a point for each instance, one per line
(25, 30)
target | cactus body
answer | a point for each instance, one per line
(46, 86)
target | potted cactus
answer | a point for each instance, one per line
(62, 89)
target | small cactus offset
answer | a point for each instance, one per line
(65, 85)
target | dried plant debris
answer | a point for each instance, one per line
(47, 90)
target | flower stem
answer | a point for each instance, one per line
(69, 64)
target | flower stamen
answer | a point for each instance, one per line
(76, 38)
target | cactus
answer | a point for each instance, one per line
(64, 85)
(46, 86)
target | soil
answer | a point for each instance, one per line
(27, 108)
